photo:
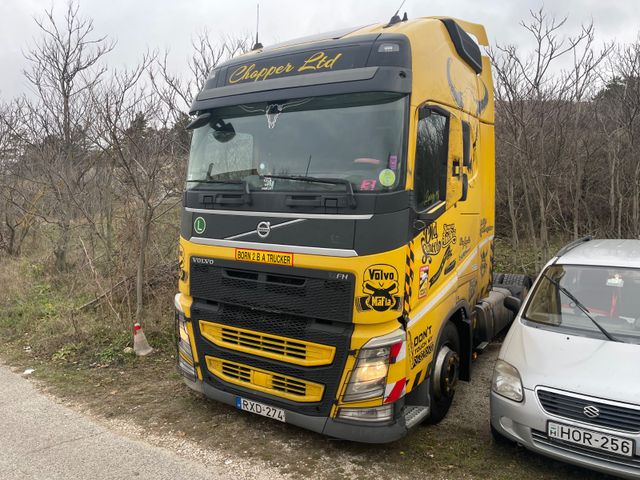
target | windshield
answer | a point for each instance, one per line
(355, 137)
(611, 296)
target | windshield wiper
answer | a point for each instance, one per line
(582, 307)
(330, 181)
(246, 197)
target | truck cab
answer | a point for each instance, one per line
(336, 244)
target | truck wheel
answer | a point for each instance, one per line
(445, 373)
(518, 285)
(516, 280)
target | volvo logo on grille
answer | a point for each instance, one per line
(591, 411)
(263, 229)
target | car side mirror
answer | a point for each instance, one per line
(513, 304)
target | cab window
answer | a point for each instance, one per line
(430, 181)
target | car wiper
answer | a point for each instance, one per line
(330, 181)
(582, 307)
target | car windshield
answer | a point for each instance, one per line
(610, 295)
(355, 137)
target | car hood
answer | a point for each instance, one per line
(589, 366)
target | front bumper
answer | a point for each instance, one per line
(358, 432)
(526, 423)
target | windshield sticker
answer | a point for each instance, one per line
(393, 162)
(380, 288)
(615, 281)
(267, 183)
(368, 184)
(273, 110)
(387, 177)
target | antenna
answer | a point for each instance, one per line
(258, 45)
(396, 19)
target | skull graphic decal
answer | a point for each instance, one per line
(380, 289)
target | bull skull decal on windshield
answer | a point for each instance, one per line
(380, 288)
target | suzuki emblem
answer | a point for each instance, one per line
(263, 229)
(591, 411)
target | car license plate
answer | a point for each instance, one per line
(260, 409)
(591, 439)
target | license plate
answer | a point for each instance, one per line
(264, 256)
(591, 439)
(260, 409)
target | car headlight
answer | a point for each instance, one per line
(506, 381)
(368, 378)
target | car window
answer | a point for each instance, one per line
(611, 296)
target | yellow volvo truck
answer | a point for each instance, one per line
(337, 232)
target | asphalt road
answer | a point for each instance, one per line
(40, 439)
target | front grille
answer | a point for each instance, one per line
(270, 346)
(541, 438)
(297, 330)
(565, 405)
(304, 292)
(295, 389)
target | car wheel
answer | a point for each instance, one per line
(500, 439)
(445, 373)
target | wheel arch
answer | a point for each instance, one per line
(460, 316)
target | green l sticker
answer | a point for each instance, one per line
(199, 225)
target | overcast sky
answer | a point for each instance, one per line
(158, 24)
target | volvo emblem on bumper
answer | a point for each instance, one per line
(263, 229)
(591, 411)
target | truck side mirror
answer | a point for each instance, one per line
(513, 304)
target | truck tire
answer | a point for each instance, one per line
(445, 374)
(519, 285)
(516, 280)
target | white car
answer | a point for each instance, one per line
(567, 380)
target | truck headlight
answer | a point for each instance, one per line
(506, 381)
(368, 378)
(185, 355)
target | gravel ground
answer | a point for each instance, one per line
(148, 404)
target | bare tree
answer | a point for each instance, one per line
(64, 68)
(138, 138)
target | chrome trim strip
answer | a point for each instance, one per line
(587, 398)
(323, 216)
(272, 227)
(330, 252)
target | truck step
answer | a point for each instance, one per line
(482, 346)
(414, 415)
